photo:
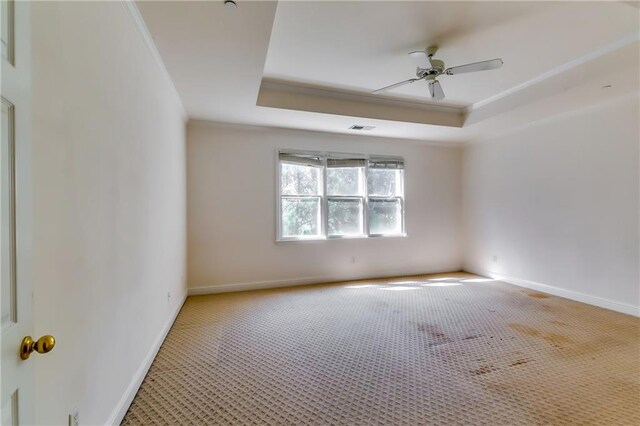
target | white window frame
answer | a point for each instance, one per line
(324, 198)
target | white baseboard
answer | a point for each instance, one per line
(600, 302)
(262, 285)
(123, 405)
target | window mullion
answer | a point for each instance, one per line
(324, 200)
(345, 197)
(365, 207)
(298, 197)
(279, 189)
(402, 224)
(402, 202)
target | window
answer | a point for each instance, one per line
(384, 183)
(345, 196)
(339, 196)
(301, 196)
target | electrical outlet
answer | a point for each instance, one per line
(74, 417)
(495, 259)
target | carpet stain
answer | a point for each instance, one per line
(499, 387)
(520, 362)
(471, 337)
(432, 330)
(483, 370)
(538, 295)
(524, 329)
(555, 339)
(437, 336)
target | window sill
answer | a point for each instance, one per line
(334, 238)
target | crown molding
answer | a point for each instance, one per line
(204, 122)
(350, 95)
(595, 54)
(287, 96)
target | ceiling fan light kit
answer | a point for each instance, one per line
(429, 68)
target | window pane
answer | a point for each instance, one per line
(345, 217)
(344, 181)
(385, 183)
(300, 217)
(299, 180)
(385, 217)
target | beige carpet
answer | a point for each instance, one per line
(443, 349)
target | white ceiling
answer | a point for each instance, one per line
(555, 54)
(364, 46)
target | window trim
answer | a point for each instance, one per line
(323, 188)
(324, 204)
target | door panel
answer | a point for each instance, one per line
(7, 13)
(9, 309)
(16, 277)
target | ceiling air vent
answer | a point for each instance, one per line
(358, 127)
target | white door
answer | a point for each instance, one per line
(16, 374)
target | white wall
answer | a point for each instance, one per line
(231, 199)
(109, 196)
(557, 203)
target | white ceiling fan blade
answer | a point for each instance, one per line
(435, 89)
(393, 86)
(476, 66)
(421, 58)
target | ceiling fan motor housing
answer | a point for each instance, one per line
(437, 68)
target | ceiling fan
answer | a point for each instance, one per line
(430, 68)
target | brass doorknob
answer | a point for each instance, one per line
(42, 345)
